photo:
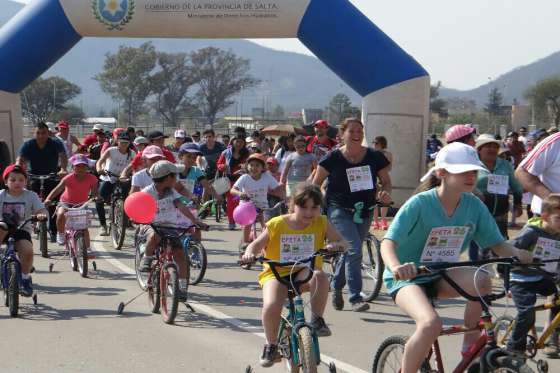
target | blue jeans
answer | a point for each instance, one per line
(349, 267)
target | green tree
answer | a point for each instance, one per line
(545, 97)
(221, 75)
(171, 85)
(126, 77)
(44, 97)
(340, 107)
(495, 101)
(69, 113)
(437, 105)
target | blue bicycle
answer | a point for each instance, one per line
(10, 268)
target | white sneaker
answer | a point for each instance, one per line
(60, 238)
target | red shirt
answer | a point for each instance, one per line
(314, 143)
(77, 191)
(137, 161)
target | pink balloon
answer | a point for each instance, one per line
(141, 207)
(245, 213)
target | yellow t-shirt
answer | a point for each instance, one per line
(287, 244)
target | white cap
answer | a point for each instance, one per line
(98, 127)
(52, 126)
(163, 168)
(180, 134)
(141, 140)
(484, 139)
(456, 158)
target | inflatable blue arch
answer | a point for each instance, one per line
(395, 87)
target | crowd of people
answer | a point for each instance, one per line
(337, 189)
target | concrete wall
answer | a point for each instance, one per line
(400, 113)
(11, 121)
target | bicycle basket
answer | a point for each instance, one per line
(77, 220)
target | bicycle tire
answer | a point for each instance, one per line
(72, 254)
(169, 288)
(198, 261)
(285, 348)
(12, 291)
(154, 291)
(372, 269)
(43, 240)
(82, 256)
(141, 278)
(501, 326)
(118, 224)
(307, 357)
(383, 353)
(507, 364)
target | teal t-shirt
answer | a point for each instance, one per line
(421, 213)
(194, 176)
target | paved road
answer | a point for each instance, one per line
(75, 328)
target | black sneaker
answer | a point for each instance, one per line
(320, 327)
(145, 264)
(26, 288)
(360, 306)
(337, 299)
(52, 237)
(270, 355)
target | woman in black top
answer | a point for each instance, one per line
(351, 173)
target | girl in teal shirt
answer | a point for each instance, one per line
(437, 225)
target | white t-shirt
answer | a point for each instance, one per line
(141, 179)
(544, 162)
(257, 190)
(166, 211)
(22, 206)
(116, 162)
(282, 158)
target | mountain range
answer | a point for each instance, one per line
(289, 79)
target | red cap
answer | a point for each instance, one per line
(11, 168)
(63, 124)
(458, 131)
(321, 123)
(118, 131)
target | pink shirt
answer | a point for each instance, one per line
(77, 191)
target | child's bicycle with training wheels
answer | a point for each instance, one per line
(504, 325)
(196, 253)
(162, 281)
(484, 356)
(297, 341)
(77, 223)
(267, 214)
(11, 268)
(40, 228)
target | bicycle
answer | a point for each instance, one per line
(297, 341)
(198, 259)
(504, 325)
(118, 220)
(10, 268)
(484, 356)
(40, 227)
(162, 281)
(77, 222)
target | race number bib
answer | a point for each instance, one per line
(359, 178)
(166, 211)
(294, 247)
(444, 244)
(498, 184)
(546, 248)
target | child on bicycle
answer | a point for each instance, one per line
(438, 225)
(255, 185)
(302, 223)
(18, 204)
(169, 205)
(540, 236)
(76, 189)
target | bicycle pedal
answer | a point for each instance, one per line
(190, 308)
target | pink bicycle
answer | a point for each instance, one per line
(77, 223)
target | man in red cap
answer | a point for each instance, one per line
(321, 143)
(66, 138)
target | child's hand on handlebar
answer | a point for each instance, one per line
(524, 256)
(338, 246)
(405, 271)
(41, 217)
(244, 197)
(247, 258)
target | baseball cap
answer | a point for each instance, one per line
(156, 135)
(152, 151)
(257, 157)
(77, 159)
(141, 140)
(63, 124)
(321, 123)
(118, 131)
(11, 168)
(484, 139)
(98, 127)
(189, 147)
(180, 134)
(162, 168)
(51, 126)
(123, 136)
(456, 158)
(457, 132)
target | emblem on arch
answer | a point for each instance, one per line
(114, 14)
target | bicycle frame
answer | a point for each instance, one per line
(8, 257)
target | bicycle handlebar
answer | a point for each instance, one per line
(6, 226)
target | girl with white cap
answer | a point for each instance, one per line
(438, 225)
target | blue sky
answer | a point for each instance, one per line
(461, 43)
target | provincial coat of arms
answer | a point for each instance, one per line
(113, 13)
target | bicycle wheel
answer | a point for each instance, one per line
(154, 290)
(12, 291)
(43, 241)
(502, 329)
(306, 351)
(372, 269)
(389, 356)
(82, 255)
(285, 348)
(139, 247)
(118, 224)
(196, 254)
(508, 364)
(169, 287)
(72, 252)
